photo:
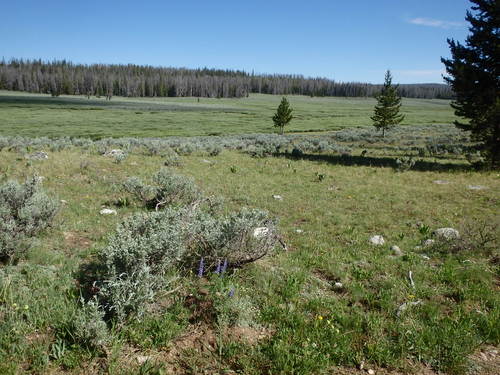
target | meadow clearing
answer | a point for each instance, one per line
(36, 115)
(327, 301)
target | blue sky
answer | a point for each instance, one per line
(345, 40)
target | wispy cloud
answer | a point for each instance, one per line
(422, 21)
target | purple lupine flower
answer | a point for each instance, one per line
(201, 267)
(218, 270)
(224, 266)
(231, 292)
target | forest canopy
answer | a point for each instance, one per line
(64, 77)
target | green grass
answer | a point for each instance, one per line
(306, 325)
(41, 115)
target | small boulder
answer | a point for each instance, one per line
(396, 250)
(338, 285)
(278, 197)
(447, 234)
(299, 231)
(107, 211)
(377, 240)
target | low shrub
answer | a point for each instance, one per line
(25, 210)
(166, 188)
(148, 250)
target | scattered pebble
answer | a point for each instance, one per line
(425, 257)
(405, 305)
(447, 234)
(114, 152)
(441, 182)
(396, 250)
(338, 285)
(64, 201)
(141, 359)
(107, 211)
(371, 372)
(278, 197)
(299, 231)
(377, 240)
(476, 187)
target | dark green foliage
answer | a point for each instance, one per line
(63, 77)
(387, 109)
(474, 72)
(283, 115)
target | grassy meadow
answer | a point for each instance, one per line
(40, 115)
(330, 303)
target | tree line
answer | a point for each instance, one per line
(64, 77)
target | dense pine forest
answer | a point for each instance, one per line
(63, 77)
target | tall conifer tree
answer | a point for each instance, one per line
(283, 115)
(474, 75)
(386, 113)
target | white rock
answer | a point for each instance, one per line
(428, 242)
(338, 285)
(64, 201)
(299, 231)
(405, 305)
(447, 234)
(476, 187)
(114, 152)
(107, 211)
(278, 197)
(377, 240)
(141, 359)
(396, 250)
(441, 182)
(425, 257)
(371, 372)
(260, 232)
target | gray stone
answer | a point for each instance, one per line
(107, 211)
(396, 250)
(476, 187)
(447, 234)
(377, 240)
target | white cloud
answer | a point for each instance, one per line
(422, 21)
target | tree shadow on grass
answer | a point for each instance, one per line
(391, 162)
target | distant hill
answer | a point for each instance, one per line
(64, 77)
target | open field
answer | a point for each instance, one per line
(330, 303)
(41, 115)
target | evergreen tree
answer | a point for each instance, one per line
(474, 75)
(386, 112)
(283, 115)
